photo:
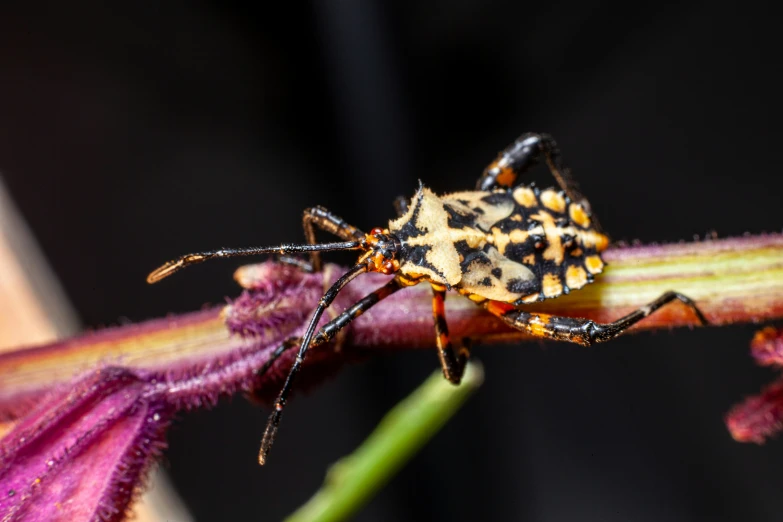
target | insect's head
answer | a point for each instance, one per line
(381, 251)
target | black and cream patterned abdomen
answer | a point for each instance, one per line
(513, 246)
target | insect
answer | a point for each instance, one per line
(503, 245)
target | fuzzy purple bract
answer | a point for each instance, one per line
(80, 454)
(84, 450)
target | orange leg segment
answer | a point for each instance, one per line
(453, 364)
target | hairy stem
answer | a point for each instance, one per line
(217, 351)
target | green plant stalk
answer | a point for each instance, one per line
(354, 479)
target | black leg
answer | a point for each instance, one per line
(325, 334)
(517, 158)
(325, 220)
(577, 330)
(333, 327)
(453, 364)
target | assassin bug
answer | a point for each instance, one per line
(502, 245)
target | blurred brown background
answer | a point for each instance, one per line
(134, 133)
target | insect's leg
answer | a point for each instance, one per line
(333, 327)
(520, 156)
(400, 205)
(517, 158)
(325, 334)
(291, 342)
(578, 330)
(453, 364)
(325, 220)
(524, 153)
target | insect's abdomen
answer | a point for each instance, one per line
(538, 244)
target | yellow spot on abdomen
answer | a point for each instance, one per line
(551, 285)
(576, 277)
(601, 242)
(554, 201)
(578, 215)
(593, 239)
(594, 264)
(525, 197)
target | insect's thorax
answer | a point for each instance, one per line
(515, 246)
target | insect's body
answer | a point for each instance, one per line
(516, 246)
(501, 245)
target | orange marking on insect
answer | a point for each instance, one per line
(537, 324)
(551, 285)
(525, 197)
(476, 298)
(506, 175)
(594, 264)
(553, 201)
(576, 277)
(389, 267)
(438, 308)
(442, 340)
(529, 259)
(498, 308)
(578, 215)
(406, 281)
(601, 243)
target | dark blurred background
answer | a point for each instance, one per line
(133, 133)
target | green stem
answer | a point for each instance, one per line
(354, 479)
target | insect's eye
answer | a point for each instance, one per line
(376, 231)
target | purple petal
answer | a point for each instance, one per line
(80, 455)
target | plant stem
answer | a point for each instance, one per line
(354, 479)
(733, 280)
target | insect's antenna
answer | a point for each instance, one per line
(191, 259)
(274, 419)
